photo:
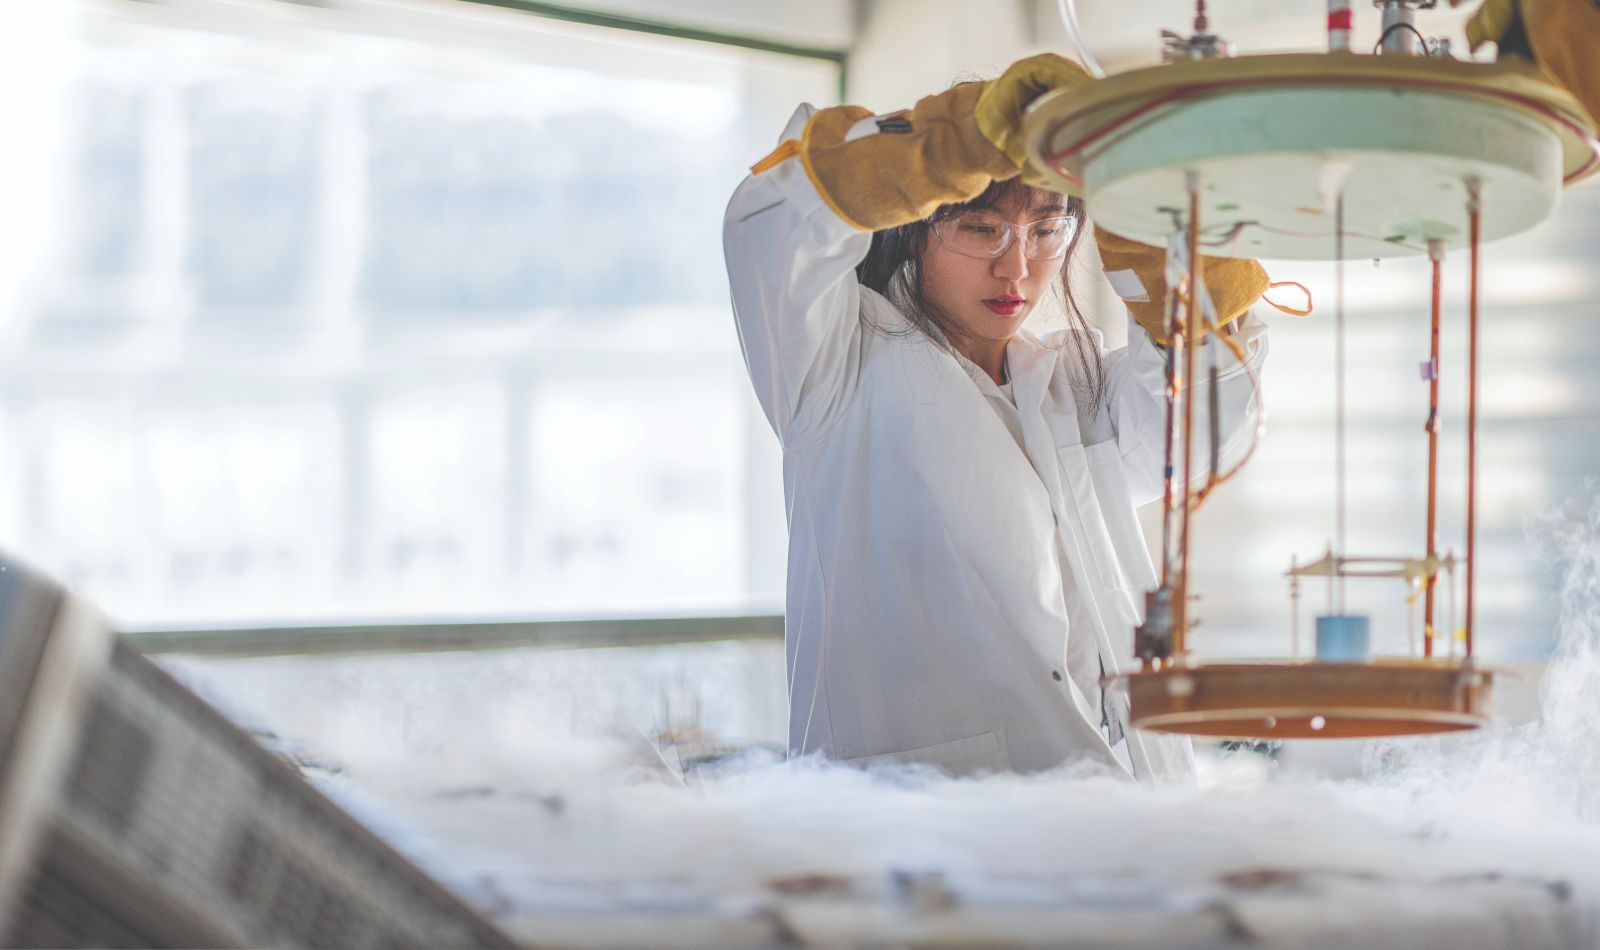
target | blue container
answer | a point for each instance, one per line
(1343, 638)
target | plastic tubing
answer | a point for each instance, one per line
(1069, 20)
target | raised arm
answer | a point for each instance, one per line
(797, 227)
(791, 268)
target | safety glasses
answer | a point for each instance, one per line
(986, 235)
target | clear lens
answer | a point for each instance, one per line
(986, 235)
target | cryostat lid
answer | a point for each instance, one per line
(1276, 140)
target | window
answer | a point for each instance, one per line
(394, 312)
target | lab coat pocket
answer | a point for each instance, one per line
(981, 753)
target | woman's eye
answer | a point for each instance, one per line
(977, 228)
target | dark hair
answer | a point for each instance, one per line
(893, 267)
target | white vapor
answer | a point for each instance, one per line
(510, 776)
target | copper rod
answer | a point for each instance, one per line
(1436, 252)
(1474, 236)
(1180, 628)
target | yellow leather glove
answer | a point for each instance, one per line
(1138, 273)
(999, 109)
(946, 149)
(1563, 36)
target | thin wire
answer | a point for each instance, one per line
(1401, 26)
(1257, 432)
(1429, 619)
(1191, 340)
(1316, 234)
(1294, 609)
(1338, 320)
(1475, 229)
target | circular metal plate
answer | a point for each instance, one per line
(1276, 140)
(1310, 700)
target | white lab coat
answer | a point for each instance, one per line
(937, 574)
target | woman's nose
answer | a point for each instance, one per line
(1012, 264)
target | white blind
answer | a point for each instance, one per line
(357, 313)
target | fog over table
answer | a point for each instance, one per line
(518, 778)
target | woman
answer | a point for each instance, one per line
(964, 559)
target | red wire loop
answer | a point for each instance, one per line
(1057, 160)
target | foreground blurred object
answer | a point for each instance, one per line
(1403, 152)
(133, 814)
(1562, 36)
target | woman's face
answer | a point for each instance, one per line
(987, 300)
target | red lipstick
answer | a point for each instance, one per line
(1006, 305)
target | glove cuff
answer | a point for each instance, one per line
(932, 155)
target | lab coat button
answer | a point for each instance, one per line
(1055, 675)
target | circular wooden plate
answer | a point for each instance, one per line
(1310, 700)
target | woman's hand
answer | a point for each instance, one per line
(999, 109)
(879, 171)
(1138, 274)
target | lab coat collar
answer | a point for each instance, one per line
(1031, 364)
(986, 385)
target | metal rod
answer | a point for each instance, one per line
(1474, 231)
(1399, 33)
(1213, 408)
(1174, 341)
(1214, 418)
(1334, 567)
(1338, 386)
(1436, 252)
(1455, 600)
(1192, 341)
(1411, 626)
(1294, 609)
